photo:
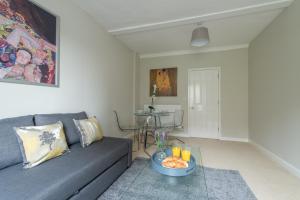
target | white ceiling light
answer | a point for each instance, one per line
(200, 37)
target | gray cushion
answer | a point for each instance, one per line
(63, 176)
(72, 134)
(10, 153)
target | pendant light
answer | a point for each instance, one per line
(200, 37)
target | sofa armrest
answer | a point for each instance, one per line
(129, 153)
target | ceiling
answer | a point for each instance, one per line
(160, 26)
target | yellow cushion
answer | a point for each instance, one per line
(90, 131)
(41, 143)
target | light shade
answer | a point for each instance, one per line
(200, 37)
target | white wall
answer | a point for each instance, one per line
(274, 80)
(96, 73)
(234, 85)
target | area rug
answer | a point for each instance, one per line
(134, 184)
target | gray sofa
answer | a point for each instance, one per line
(82, 173)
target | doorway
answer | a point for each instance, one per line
(204, 103)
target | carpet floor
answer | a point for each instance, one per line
(140, 182)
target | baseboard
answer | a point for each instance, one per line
(234, 139)
(183, 134)
(289, 167)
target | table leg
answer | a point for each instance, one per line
(145, 139)
(138, 139)
(145, 151)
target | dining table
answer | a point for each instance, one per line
(145, 123)
(156, 115)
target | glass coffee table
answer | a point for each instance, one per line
(189, 187)
(142, 182)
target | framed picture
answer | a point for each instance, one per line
(29, 44)
(163, 82)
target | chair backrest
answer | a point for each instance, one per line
(118, 121)
(172, 120)
(178, 118)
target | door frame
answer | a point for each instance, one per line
(219, 108)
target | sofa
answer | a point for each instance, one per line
(82, 173)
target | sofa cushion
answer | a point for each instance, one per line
(72, 134)
(10, 153)
(63, 176)
(90, 131)
(41, 143)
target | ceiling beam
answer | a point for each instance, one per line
(196, 51)
(278, 4)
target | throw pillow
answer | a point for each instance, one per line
(89, 129)
(41, 143)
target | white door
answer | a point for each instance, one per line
(203, 100)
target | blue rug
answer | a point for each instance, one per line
(140, 182)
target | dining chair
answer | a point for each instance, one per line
(147, 121)
(149, 127)
(176, 122)
(178, 119)
(127, 130)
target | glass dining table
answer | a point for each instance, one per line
(155, 115)
(149, 122)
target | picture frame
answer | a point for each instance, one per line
(163, 82)
(27, 28)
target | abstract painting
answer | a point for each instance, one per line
(163, 82)
(28, 44)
